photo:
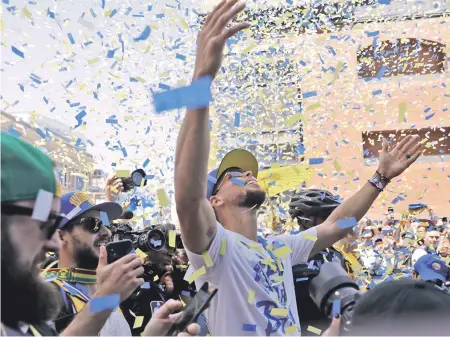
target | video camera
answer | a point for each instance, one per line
(333, 285)
(134, 180)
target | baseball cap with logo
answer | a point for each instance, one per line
(25, 170)
(75, 204)
(238, 158)
(431, 268)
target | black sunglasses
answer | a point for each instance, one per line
(49, 227)
(92, 225)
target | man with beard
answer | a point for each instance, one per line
(81, 276)
(28, 187)
(218, 221)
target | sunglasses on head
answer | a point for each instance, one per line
(228, 174)
(49, 227)
(91, 224)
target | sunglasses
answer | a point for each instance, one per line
(49, 227)
(234, 173)
(92, 225)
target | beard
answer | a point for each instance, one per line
(253, 199)
(84, 256)
(26, 296)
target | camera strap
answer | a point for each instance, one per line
(72, 275)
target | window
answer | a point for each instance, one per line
(401, 57)
(438, 140)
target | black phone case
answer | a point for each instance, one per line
(118, 249)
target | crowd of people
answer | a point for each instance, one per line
(336, 273)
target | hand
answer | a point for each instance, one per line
(163, 319)
(120, 277)
(211, 39)
(393, 163)
(333, 330)
(167, 280)
(113, 187)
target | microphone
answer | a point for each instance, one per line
(126, 215)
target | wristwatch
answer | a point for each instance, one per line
(379, 181)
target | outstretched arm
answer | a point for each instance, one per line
(391, 165)
(196, 215)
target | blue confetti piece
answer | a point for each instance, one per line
(98, 304)
(301, 279)
(22, 87)
(249, 327)
(300, 149)
(111, 52)
(92, 13)
(50, 13)
(111, 121)
(40, 133)
(373, 34)
(144, 35)
(309, 94)
(17, 52)
(163, 86)
(103, 4)
(315, 161)
(114, 12)
(336, 309)
(124, 152)
(45, 100)
(384, 2)
(146, 285)
(237, 119)
(146, 162)
(69, 35)
(14, 132)
(237, 181)
(100, 35)
(347, 223)
(381, 72)
(377, 92)
(196, 95)
(132, 79)
(181, 57)
(149, 177)
(429, 116)
(105, 219)
(159, 16)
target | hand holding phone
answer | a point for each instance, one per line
(118, 249)
(198, 304)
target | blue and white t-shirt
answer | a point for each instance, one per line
(256, 289)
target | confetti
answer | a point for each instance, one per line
(283, 251)
(105, 219)
(314, 330)
(310, 237)
(172, 238)
(138, 321)
(291, 329)
(144, 35)
(207, 258)
(123, 173)
(42, 206)
(194, 96)
(196, 274)
(107, 302)
(17, 52)
(251, 297)
(315, 161)
(347, 223)
(223, 247)
(163, 199)
(249, 327)
(279, 312)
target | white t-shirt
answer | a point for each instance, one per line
(418, 253)
(252, 281)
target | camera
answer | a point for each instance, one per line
(146, 240)
(134, 180)
(333, 285)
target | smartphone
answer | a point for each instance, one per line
(155, 305)
(118, 249)
(198, 304)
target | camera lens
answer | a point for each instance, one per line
(152, 240)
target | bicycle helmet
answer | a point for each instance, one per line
(313, 202)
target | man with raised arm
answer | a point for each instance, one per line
(217, 213)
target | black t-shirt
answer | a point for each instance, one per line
(308, 311)
(43, 328)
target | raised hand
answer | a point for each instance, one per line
(395, 162)
(211, 39)
(113, 187)
(120, 277)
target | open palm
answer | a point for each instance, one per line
(393, 163)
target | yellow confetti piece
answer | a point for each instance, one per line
(294, 119)
(251, 296)
(107, 12)
(156, 278)
(2, 24)
(93, 61)
(140, 253)
(250, 47)
(401, 112)
(337, 167)
(140, 79)
(291, 329)
(122, 173)
(138, 321)
(313, 106)
(207, 258)
(142, 182)
(278, 278)
(314, 330)
(172, 238)
(310, 237)
(256, 246)
(196, 274)
(26, 12)
(162, 197)
(280, 265)
(282, 251)
(223, 247)
(280, 312)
